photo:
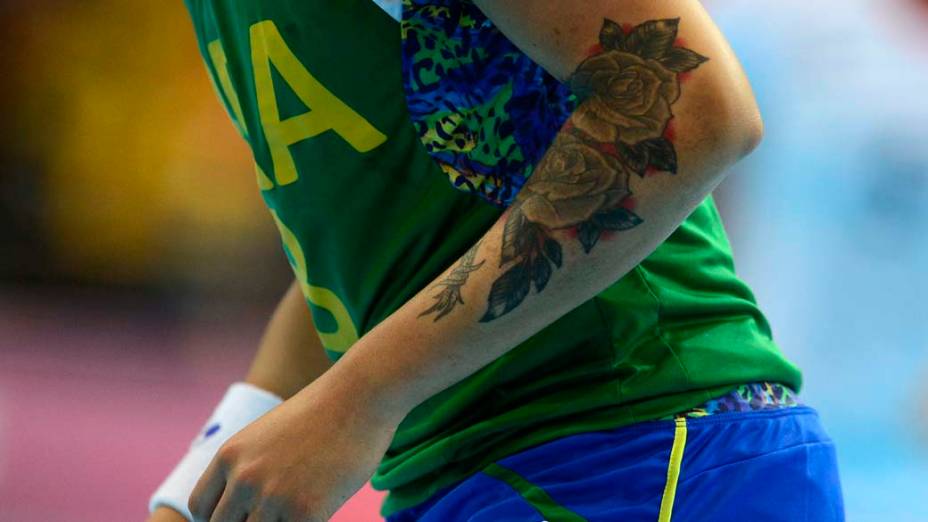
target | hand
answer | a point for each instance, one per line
(298, 463)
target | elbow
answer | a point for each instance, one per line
(751, 131)
(739, 126)
(725, 123)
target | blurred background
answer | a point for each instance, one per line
(138, 265)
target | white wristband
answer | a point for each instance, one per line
(242, 404)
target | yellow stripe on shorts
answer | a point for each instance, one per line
(673, 470)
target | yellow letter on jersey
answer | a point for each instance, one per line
(326, 111)
(218, 55)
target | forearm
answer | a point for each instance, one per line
(290, 355)
(590, 212)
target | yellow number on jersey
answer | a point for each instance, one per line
(327, 112)
(346, 333)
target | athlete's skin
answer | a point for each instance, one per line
(283, 467)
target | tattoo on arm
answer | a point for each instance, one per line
(581, 186)
(450, 294)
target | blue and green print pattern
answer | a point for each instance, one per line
(747, 397)
(482, 108)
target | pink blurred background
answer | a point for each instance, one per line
(98, 402)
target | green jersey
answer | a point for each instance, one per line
(384, 150)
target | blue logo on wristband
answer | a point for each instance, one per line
(211, 431)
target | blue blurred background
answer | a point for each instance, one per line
(128, 301)
(829, 221)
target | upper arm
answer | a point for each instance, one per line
(562, 35)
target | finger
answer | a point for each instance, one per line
(207, 492)
(271, 509)
(232, 507)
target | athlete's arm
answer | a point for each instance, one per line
(289, 357)
(573, 230)
(666, 109)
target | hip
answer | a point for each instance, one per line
(765, 465)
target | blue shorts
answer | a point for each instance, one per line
(762, 466)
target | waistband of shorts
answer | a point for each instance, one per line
(760, 396)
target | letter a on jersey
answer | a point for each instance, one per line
(327, 112)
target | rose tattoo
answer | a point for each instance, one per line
(574, 181)
(628, 88)
(628, 98)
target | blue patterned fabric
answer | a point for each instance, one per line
(484, 110)
(747, 397)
